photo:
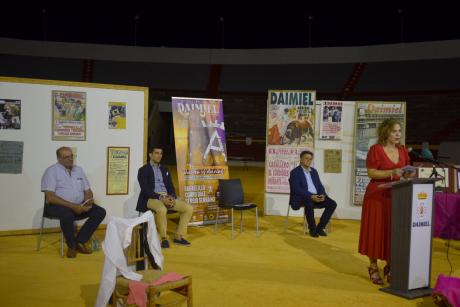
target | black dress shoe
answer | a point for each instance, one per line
(81, 248)
(313, 234)
(321, 232)
(164, 243)
(71, 252)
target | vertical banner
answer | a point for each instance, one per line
(420, 236)
(290, 130)
(201, 153)
(331, 120)
(368, 117)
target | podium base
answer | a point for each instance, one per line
(409, 294)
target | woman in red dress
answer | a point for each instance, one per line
(384, 162)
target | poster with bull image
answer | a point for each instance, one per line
(201, 154)
(290, 130)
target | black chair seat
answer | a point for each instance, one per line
(240, 206)
(232, 198)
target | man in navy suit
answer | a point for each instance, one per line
(158, 195)
(307, 191)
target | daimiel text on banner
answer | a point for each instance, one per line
(201, 154)
(290, 130)
(368, 117)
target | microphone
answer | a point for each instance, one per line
(411, 151)
(426, 153)
(423, 156)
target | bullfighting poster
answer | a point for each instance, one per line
(10, 114)
(117, 115)
(201, 154)
(368, 117)
(290, 130)
(331, 120)
(69, 116)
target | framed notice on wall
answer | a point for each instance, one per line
(11, 156)
(333, 161)
(117, 170)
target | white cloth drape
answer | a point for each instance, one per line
(117, 238)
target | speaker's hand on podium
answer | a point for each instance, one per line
(408, 171)
(396, 172)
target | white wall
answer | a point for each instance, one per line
(338, 186)
(22, 201)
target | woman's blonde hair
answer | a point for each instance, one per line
(384, 130)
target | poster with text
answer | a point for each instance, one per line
(201, 154)
(332, 161)
(117, 170)
(11, 157)
(368, 117)
(290, 130)
(69, 116)
(331, 120)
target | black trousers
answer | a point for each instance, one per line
(67, 218)
(329, 206)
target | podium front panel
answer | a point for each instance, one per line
(420, 239)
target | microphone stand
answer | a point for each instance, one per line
(434, 172)
(435, 162)
(442, 164)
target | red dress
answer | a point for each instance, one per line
(375, 233)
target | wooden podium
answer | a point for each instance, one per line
(411, 233)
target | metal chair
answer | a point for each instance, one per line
(287, 220)
(232, 197)
(46, 215)
(305, 226)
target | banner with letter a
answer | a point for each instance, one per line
(201, 153)
(290, 130)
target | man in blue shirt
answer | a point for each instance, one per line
(69, 197)
(307, 191)
(158, 195)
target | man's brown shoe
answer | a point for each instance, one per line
(71, 253)
(81, 248)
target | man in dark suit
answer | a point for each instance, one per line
(307, 191)
(158, 195)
